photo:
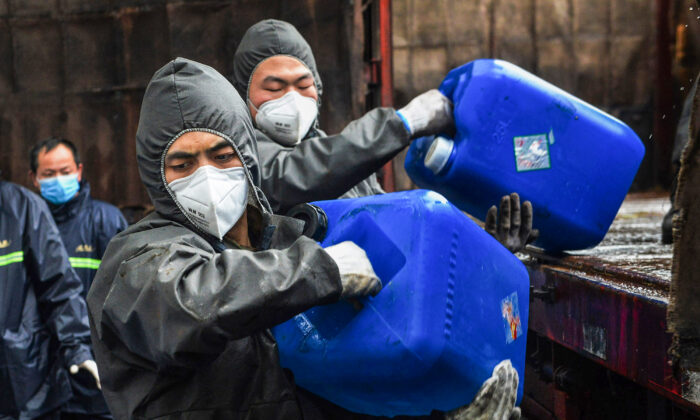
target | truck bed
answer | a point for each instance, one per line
(608, 305)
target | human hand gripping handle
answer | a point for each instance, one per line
(514, 227)
(356, 273)
(91, 367)
(429, 113)
(495, 399)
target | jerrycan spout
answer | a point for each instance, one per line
(438, 157)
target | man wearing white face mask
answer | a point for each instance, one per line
(181, 305)
(275, 70)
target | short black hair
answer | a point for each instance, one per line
(50, 144)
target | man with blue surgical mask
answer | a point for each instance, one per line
(86, 226)
(275, 71)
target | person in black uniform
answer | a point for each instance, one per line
(43, 318)
(86, 225)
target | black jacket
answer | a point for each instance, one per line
(179, 320)
(320, 167)
(43, 319)
(86, 225)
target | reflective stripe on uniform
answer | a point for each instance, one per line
(13, 257)
(92, 263)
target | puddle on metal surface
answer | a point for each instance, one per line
(631, 258)
(634, 239)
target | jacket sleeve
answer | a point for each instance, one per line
(56, 285)
(323, 168)
(174, 303)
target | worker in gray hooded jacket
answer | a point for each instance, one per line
(181, 305)
(275, 70)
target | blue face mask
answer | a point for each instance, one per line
(59, 189)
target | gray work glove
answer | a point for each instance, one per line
(427, 114)
(356, 273)
(496, 398)
(91, 367)
(514, 228)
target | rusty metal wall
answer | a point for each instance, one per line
(78, 69)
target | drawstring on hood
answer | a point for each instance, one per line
(186, 96)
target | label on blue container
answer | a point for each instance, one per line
(531, 152)
(511, 317)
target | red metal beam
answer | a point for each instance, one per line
(387, 86)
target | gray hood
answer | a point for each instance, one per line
(265, 39)
(188, 96)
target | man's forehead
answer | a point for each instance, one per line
(198, 140)
(58, 154)
(282, 66)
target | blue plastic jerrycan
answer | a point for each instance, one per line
(454, 304)
(518, 133)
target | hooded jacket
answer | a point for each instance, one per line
(43, 318)
(86, 226)
(320, 167)
(180, 320)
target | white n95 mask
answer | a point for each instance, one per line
(213, 198)
(287, 119)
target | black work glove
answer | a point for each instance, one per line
(514, 228)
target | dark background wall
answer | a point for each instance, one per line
(78, 69)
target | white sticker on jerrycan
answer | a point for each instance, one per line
(511, 317)
(532, 152)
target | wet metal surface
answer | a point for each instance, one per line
(631, 258)
(634, 240)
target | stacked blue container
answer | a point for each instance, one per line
(516, 132)
(454, 304)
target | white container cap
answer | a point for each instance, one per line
(439, 154)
